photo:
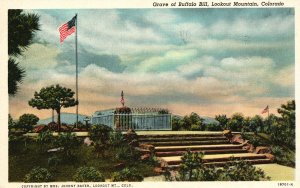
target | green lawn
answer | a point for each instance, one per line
(24, 158)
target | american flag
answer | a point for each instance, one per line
(67, 29)
(122, 99)
(265, 110)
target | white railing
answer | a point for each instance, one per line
(135, 121)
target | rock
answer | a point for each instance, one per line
(55, 149)
(145, 157)
(119, 166)
(270, 156)
(134, 143)
(87, 141)
(262, 150)
(227, 133)
(249, 147)
(143, 151)
(147, 147)
(237, 139)
(158, 170)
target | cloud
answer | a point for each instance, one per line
(168, 61)
(207, 61)
(39, 56)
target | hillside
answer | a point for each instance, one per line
(68, 118)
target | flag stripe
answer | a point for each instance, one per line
(65, 32)
(265, 110)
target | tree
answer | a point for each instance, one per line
(21, 29)
(177, 123)
(15, 76)
(283, 131)
(11, 123)
(256, 123)
(55, 98)
(236, 122)
(27, 121)
(222, 119)
(287, 112)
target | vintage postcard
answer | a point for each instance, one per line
(153, 93)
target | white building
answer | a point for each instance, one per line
(135, 118)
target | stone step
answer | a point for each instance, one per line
(181, 138)
(197, 147)
(217, 134)
(221, 164)
(189, 143)
(206, 152)
(173, 160)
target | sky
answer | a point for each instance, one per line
(208, 61)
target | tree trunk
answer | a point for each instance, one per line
(58, 119)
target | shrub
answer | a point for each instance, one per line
(127, 175)
(19, 144)
(213, 127)
(54, 161)
(38, 175)
(88, 174)
(241, 171)
(69, 143)
(277, 151)
(116, 138)
(192, 169)
(100, 135)
(153, 161)
(191, 162)
(45, 140)
(283, 156)
(128, 154)
(195, 127)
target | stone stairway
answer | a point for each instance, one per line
(218, 150)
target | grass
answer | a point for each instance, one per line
(22, 159)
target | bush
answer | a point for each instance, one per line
(88, 174)
(277, 151)
(100, 134)
(128, 154)
(283, 156)
(69, 143)
(192, 169)
(241, 171)
(45, 140)
(195, 127)
(116, 139)
(213, 127)
(19, 144)
(38, 175)
(191, 162)
(127, 175)
(54, 161)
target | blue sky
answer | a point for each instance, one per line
(209, 61)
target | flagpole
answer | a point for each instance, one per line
(76, 57)
(269, 123)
